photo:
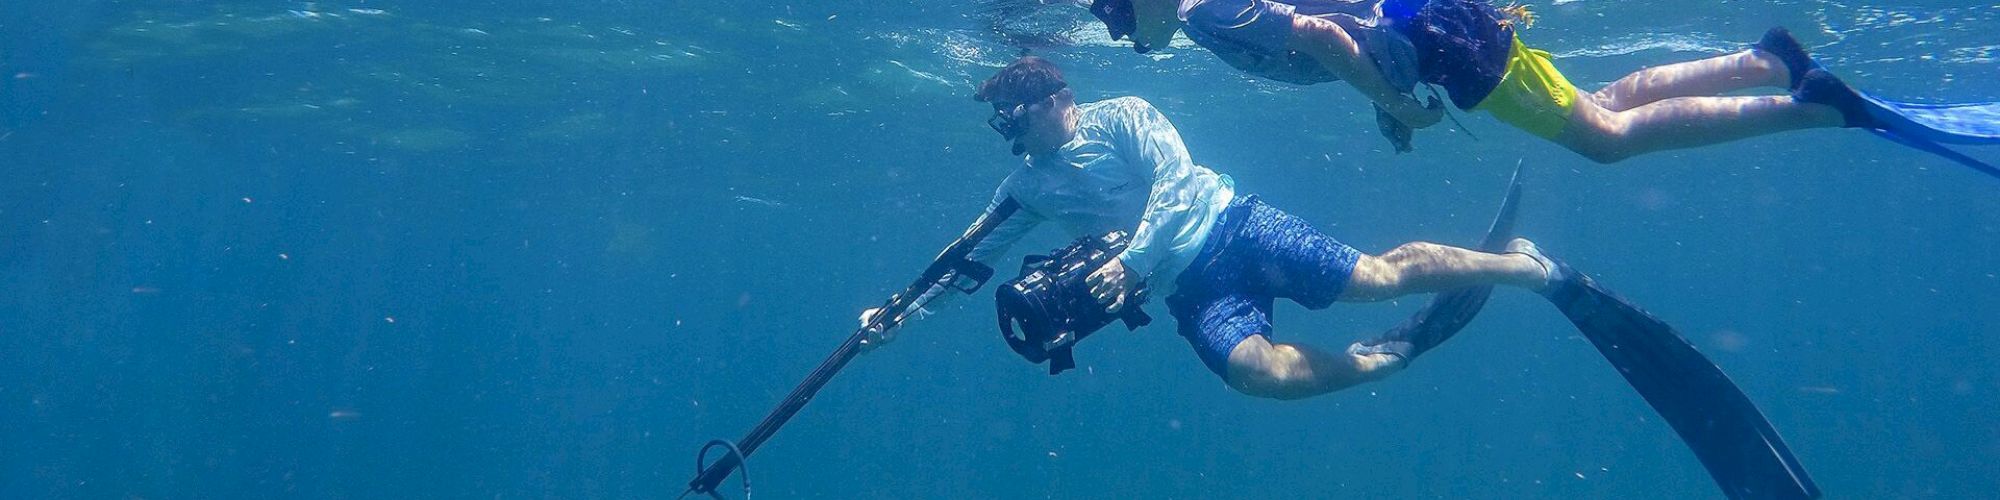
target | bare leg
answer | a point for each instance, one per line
(1261, 368)
(1607, 136)
(1420, 267)
(1706, 77)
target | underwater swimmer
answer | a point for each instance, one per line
(1223, 258)
(1469, 48)
(1220, 257)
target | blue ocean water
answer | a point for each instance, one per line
(391, 249)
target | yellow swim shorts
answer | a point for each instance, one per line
(1532, 95)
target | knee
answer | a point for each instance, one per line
(1269, 371)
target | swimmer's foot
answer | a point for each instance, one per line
(1779, 42)
(1821, 87)
(1556, 273)
(1382, 358)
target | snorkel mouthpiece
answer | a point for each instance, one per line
(1009, 126)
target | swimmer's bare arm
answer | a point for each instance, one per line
(1327, 42)
(988, 252)
(1324, 40)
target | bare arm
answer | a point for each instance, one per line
(1330, 44)
(987, 252)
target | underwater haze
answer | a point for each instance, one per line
(546, 249)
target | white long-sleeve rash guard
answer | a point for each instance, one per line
(1126, 168)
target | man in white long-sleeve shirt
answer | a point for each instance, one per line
(1219, 256)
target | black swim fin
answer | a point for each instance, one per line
(1728, 434)
(1449, 312)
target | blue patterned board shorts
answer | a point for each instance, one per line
(1254, 254)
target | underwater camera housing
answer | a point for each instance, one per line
(1049, 308)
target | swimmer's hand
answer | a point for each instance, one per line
(877, 336)
(1432, 112)
(1397, 133)
(1109, 284)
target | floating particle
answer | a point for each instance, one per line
(761, 201)
(1730, 340)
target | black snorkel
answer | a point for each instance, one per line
(1120, 20)
(1008, 124)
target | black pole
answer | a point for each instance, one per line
(942, 270)
(790, 406)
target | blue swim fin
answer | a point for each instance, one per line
(1925, 127)
(1967, 123)
(1940, 150)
